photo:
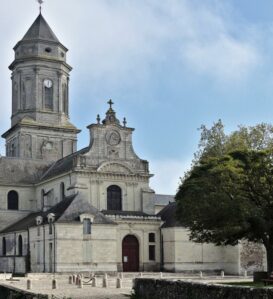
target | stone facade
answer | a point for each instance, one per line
(63, 210)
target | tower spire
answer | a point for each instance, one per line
(40, 3)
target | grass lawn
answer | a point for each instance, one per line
(247, 284)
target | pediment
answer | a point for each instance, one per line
(114, 167)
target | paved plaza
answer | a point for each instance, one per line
(42, 284)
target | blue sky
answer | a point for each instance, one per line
(169, 66)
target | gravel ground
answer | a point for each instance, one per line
(43, 286)
(42, 283)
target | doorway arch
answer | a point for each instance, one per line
(130, 254)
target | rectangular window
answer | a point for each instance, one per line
(152, 252)
(38, 253)
(38, 231)
(86, 226)
(50, 227)
(151, 237)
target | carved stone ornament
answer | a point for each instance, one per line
(112, 138)
(114, 168)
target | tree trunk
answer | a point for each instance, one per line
(269, 257)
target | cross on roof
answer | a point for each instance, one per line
(110, 102)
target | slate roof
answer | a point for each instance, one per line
(168, 215)
(162, 199)
(63, 165)
(125, 213)
(81, 206)
(40, 30)
(27, 171)
(30, 220)
(68, 210)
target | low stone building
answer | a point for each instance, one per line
(64, 210)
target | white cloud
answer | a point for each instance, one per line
(118, 43)
(167, 174)
(122, 40)
(225, 59)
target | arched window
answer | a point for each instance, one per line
(114, 198)
(20, 245)
(65, 99)
(13, 203)
(48, 94)
(4, 246)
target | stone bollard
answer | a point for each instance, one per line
(201, 274)
(54, 284)
(78, 278)
(94, 282)
(80, 283)
(70, 279)
(119, 283)
(222, 274)
(29, 284)
(245, 273)
(105, 282)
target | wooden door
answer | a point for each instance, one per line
(130, 254)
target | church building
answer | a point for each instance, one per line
(69, 210)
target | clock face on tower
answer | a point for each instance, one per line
(112, 138)
(48, 83)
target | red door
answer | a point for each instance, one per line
(130, 254)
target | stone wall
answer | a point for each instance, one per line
(181, 254)
(10, 293)
(252, 257)
(13, 264)
(154, 289)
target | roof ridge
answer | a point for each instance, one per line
(46, 172)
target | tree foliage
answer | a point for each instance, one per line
(228, 194)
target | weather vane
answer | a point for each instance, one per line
(40, 2)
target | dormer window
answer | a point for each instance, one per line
(86, 220)
(50, 219)
(39, 220)
(86, 226)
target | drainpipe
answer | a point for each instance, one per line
(28, 266)
(161, 251)
(54, 242)
(14, 262)
(44, 247)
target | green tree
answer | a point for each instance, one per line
(227, 195)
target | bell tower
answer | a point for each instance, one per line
(40, 126)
